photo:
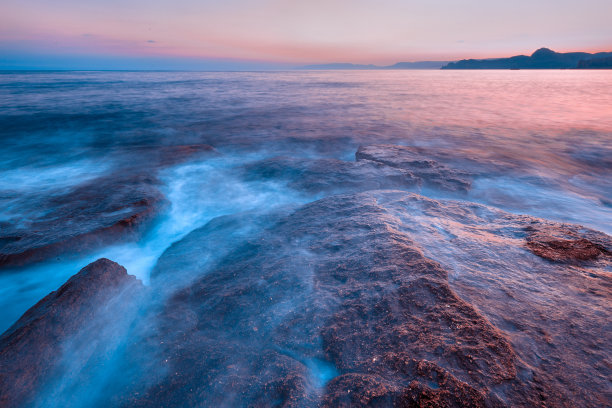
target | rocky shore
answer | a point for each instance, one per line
(371, 295)
(108, 209)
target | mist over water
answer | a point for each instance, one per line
(541, 142)
(536, 143)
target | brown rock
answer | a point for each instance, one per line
(107, 209)
(563, 244)
(32, 348)
(113, 208)
(340, 303)
(341, 283)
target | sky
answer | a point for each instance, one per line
(266, 34)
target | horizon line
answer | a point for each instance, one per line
(80, 64)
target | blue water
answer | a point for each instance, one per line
(539, 142)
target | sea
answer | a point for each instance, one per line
(539, 143)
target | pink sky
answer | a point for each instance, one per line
(303, 32)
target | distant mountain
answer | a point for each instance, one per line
(596, 63)
(418, 65)
(339, 65)
(399, 65)
(543, 58)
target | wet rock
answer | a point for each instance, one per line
(154, 156)
(112, 208)
(185, 260)
(381, 298)
(377, 167)
(565, 244)
(565, 249)
(330, 175)
(416, 161)
(554, 314)
(108, 209)
(32, 348)
(337, 290)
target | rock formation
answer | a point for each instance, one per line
(337, 304)
(107, 209)
(31, 351)
(371, 297)
(376, 167)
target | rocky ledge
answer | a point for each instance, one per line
(380, 298)
(105, 210)
(33, 349)
(108, 209)
(375, 167)
(567, 243)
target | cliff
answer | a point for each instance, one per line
(543, 58)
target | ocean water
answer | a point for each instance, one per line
(538, 142)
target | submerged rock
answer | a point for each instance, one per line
(426, 169)
(376, 167)
(330, 175)
(381, 298)
(32, 349)
(154, 156)
(104, 210)
(111, 208)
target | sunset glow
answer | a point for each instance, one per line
(305, 203)
(292, 32)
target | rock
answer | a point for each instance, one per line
(553, 314)
(330, 175)
(564, 244)
(155, 156)
(367, 390)
(377, 167)
(108, 209)
(414, 160)
(379, 298)
(112, 208)
(336, 304)
(565, 250)
(32, 348)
